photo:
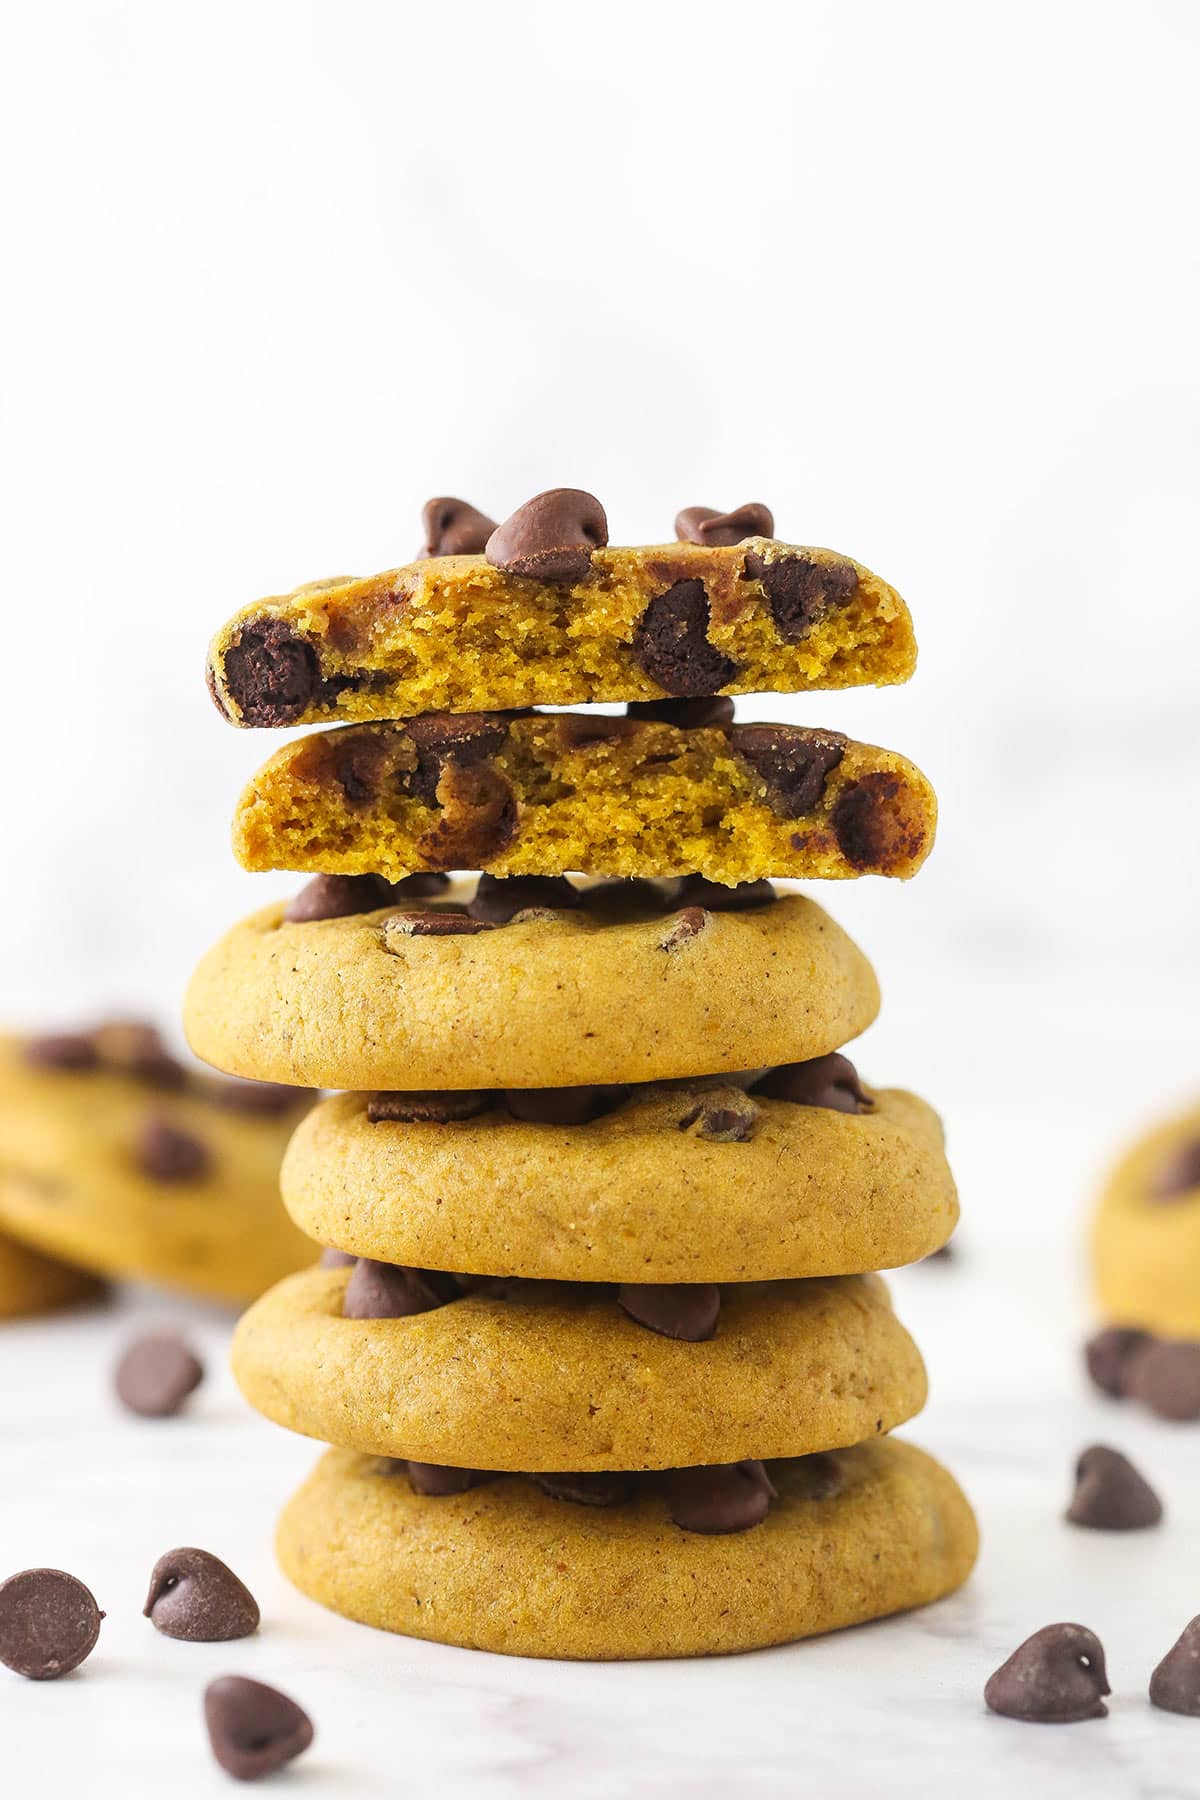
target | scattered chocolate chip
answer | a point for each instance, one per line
(1108, 1354)
(830, 1081)
(576, 731)
(434, 1106)
(439, 739)
(49, 1623)
(1175, 1684)
(793, 761)
(421, 886)
(604, 1487)
(166, 1152)
(438, 1480)
(336, 1259)
(688, 923)
(707, 712)
(446, 922)
(621, 898)
(800, 591)
(1164, 1375)
(253, 1729)
(156, 1374)
(671, 643)
(498, 899)
(551, 538)
(1110, 1495)
(566, 1105)
(714, 896)
(725, 1498)
(337, 897)
(453, 528)
(1055, 1677)
(271, 674)
(261, 1099)
(195, 1596)
(67, 1050)
(1179, 1174)
(875, 824)
(687, 1311)
(724, 1115)
(704, 525)
(380, 1290)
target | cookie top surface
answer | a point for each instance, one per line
(645, 1192)
(552, 793)
(373, 1000)
(1146, 1232)
(507, 1568)
(162, 1175)
(793, 1367)
(456, 634)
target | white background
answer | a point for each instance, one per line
(924, 278)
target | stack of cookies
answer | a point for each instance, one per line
(597, 1336)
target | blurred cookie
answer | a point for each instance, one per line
(1146, 1233)
(31, 1283)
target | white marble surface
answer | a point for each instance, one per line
(894, 1707)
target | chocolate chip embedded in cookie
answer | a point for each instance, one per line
(604, 1487)
(672, 643)
(269, 673)
(551, 538)
(689, 1313)
(428, 1106)
(498, 900)
(880, 823)
(379, 1290)
(716, 1501)
(830, 1081)
(793, 762)
(802, 590)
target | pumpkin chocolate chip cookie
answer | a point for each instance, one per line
(1146, 1234)
(32, 1283)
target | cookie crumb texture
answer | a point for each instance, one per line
(551, 794)
(1146, 1233)
(506, 1568)
(454, 634)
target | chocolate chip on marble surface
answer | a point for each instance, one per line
(166, 1152)
(793, 761)
(445, 922)
(724, 1498)
(707, 712)
(71, 1051)
(260, 1099)
(801, 591)
(438, 1480)
(337, 897)
(430, 1106)
(195, 1596)
(336, 1259)
(380, 1290)
(1107, 1356)
(156, 1373)
(1175, 1683)
(1164, 1374)
(704, 525)
(49, 1623)
(829, 1081)
(603, 1487)
(1056, 1677)
(551, 538)
(1179, 1173)
(565, 1105)
(671, 643)
(1110, 1494)
(454, 528)
(253, 1729)
(271, 674)
(498, 899)
(714, 896)
(722, 1116)
(687, 1311)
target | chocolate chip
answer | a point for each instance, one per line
(380, 1290)
(687, 924)
(577, 731)
(1179, 1173)
(1110, 1495)
(443, 738)
(134, 1048)
(830, 1081)
(421, 886)
(714, 896)
(687, 1311)
(478, 817)
(1165, 1376)
(604, 1487)
(1055, 1677)
(793, 761)
(446, 922)
(49, 1623)
(453, 528)
(714, 1501)
(822, 1474)
(261, 1099)
(671, 643)
(434, 1106)
(156, 1374)
(551, 538)
(253, 1729)
(800, 591)
(271, 674)
(195, 1596)
(437, 1480)
(1175, 1684)
(358, 765)
(337, 897)
(336, 1259)
(565, 1105)
(703, 525)
(723, 1115)
(167, 1153)
(498, 899)
(874, 825)
(707, 712)
(70, 1050)
(1108, 1355)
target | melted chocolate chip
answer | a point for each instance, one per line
(686, 1311)
(723, 1116)
(166, 1152)
(271, 674)
(454, 528)
(714, 896)
(565, 1105)
(67, 1050)
(337, 897)
(794, 762)
(358, 765)
(578, 731)
(336, 1259)
(1179, 1174)
(871, 825)
(156, 1374)
(446, 922)
(253, 1729)
(1056, 1677)
(439, 739)
(421, 886)
(433, 1106)
(1108, 1355)
(800, 591)
(725, 1498)
(49, 1623)
(688, 923)
(499, 898)
(707, 712)
(604, 1487)
(551, 538)
(379, 1290)
(703, 525)
(1165, 1376)
(1175, 1684)
(1110, 1495)
(478, 816)
(671, 643)
(195, 1596)
(261, 1099)
(438, 1480)
(620, 898)
(830, 1081)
